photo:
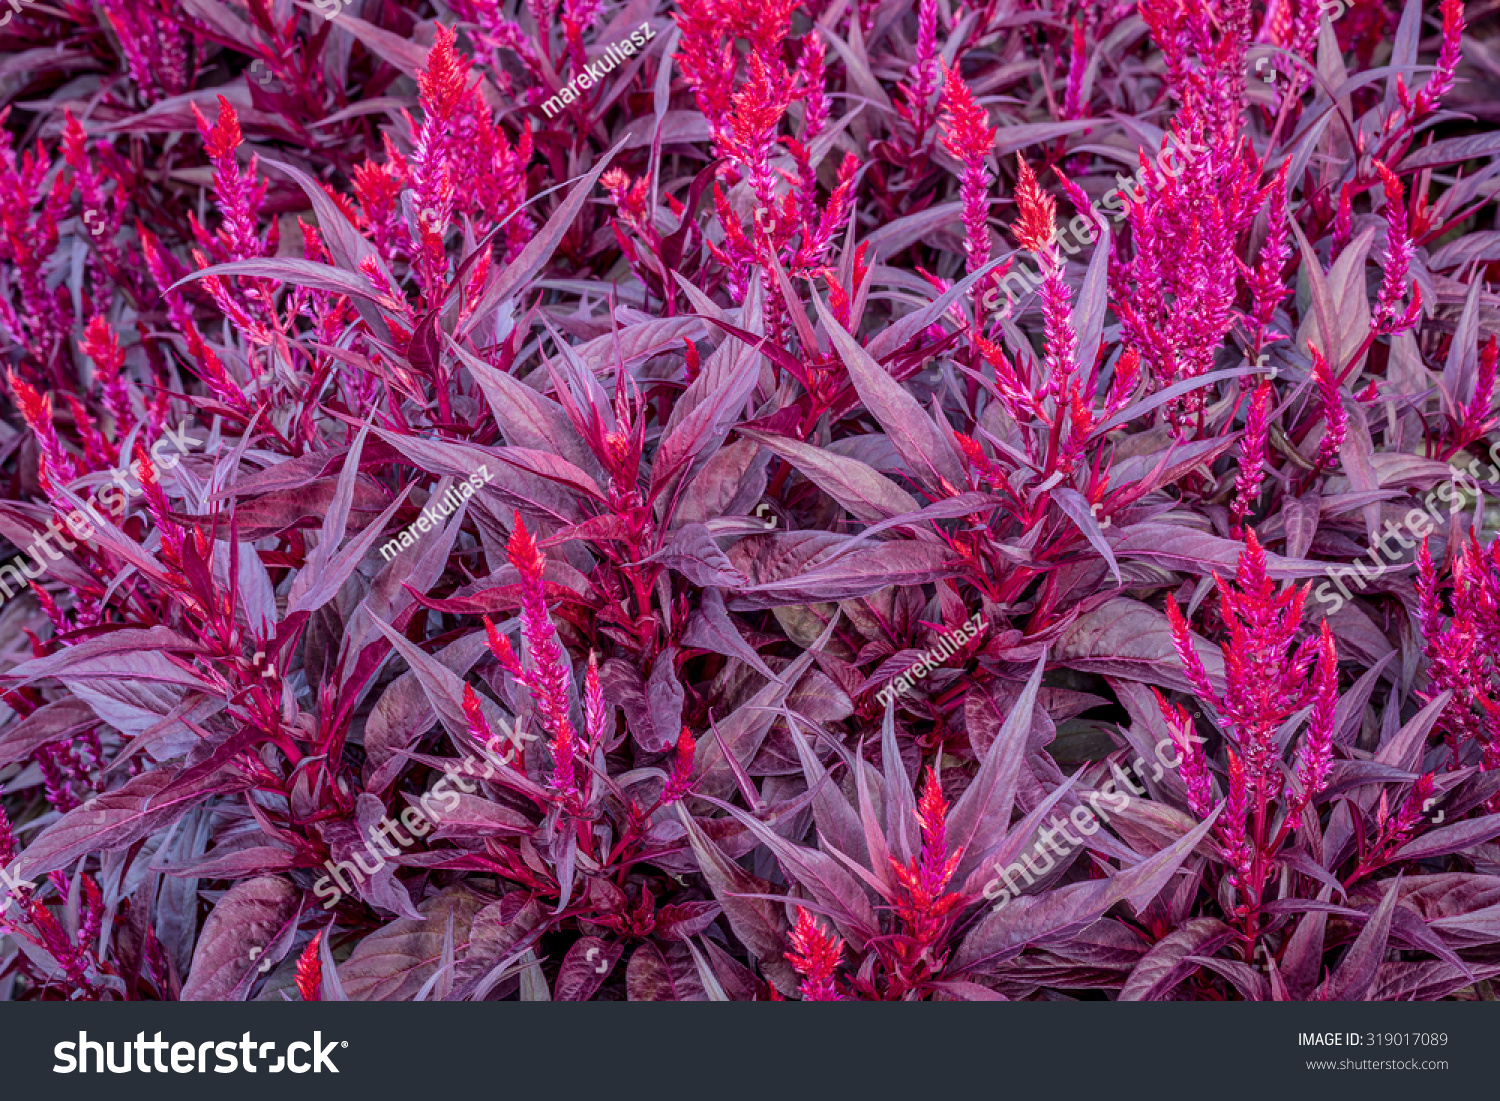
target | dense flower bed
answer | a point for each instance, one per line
(749, 500)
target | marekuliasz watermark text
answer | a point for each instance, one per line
(436, 511)
(124, 484)
(948, 645)
(439, 800)
(593, 72)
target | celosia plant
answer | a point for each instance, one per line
(706, 507)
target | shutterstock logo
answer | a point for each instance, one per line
(188, 1058)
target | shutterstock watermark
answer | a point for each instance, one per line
(330, 9)
(948, 645)
(1080, 231)
(419, 820)
(1086, 819)
(124, 485)
(1265, 66)
(16, 889)
(616, 53)
(189, 1058)
(1415, 526)
(434, 513)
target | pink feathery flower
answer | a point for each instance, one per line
(629, 198)
(158, 506)
(1235, 820)
(1449, 55)
(680, 779)
(1078, 63)
(1332, 397)
(1036, 229)
(922, 77)
(818, 235)
(932, 816)
(500, 646)
(1176, 296)
(254, 330)
(8, 846)
(1252, 454)
(96, 450)
(1264, 682)
(49, 607)
(1461, 648)
(1396, 830)
(1192, 765)
(1083, 204)
(495, 30)
(576, 15)
(1267, 287)
(595, 710)
(1396, 261)
(1317, 752)
(62, 782)
(1037, 225)
(444, 85)
(810, 83)
(28, 243)
(708, 52)
(969, 138)
(213, 372)
(1429, 602)
(549, 676)
(102, 222)
(1192, 664)
(758, 109)
(979, 462)
(36, 411)
(1343, 222)
(1015, 395)
(165, 270)
(1477, 416)
(444, 81)
(102, 346)
(1203, 49)
(377, 187)
(310, 971)
(552, 672)
(479, 726)
(815, 956)
(1127, 378)
(238, 193)
(924, 903)
(155, 45)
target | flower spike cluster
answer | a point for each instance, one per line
(1463, 647)
(969, 138)
(925, 905)
(815, 955)
(1267, 680)
(547, 675)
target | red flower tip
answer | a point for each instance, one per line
(102, 346)
(815, 955)
(36, 407)
(442, 82)
(1038, 219)
(967, 134)
(310, 971)
(223, 137)
(525, 556)
(680, 781)
(479, 726)
(1330, 394)
(932, 808)
(501, 648)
